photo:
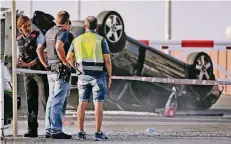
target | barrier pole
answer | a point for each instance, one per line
(1, 100)
(30, 8)
(79, 9)
(168, 22)
(14, 74)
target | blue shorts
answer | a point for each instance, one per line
(95, 85)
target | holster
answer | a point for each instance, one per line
(63, 72)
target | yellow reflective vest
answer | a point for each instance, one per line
(88, 52)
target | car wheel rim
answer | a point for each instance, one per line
(113, 28)
(203, 67)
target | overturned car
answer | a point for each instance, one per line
(131, 57)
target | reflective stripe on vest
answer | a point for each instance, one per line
(88, 51)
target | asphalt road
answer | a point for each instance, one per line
(132, 128)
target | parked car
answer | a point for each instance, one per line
(8, 97)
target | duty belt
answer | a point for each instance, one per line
(63, 72)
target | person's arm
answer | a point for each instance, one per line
(40, 42)
(40, 50)
(70, 56)
(62, 38)
(107, 61)
(18, 56)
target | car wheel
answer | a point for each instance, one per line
(111, 26)
(200, 67)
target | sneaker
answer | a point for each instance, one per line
(81, 136)
(99, 136)
(61, 135)
(48, 135)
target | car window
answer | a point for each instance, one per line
(7, 78)
(7, 74)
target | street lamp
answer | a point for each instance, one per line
(228, 32)
(30, 9)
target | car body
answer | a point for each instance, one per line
(131, 57)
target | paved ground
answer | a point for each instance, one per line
(131, 128)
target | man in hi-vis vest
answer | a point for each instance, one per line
(92, 57)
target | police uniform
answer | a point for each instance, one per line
(34, 83)
(58, 86)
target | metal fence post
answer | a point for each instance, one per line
(1, 100)
(14, 58)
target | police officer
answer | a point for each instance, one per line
(28, 41)
(92, 55)
(66, 46)
(56, 38)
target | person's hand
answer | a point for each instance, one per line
(21, 63)
(48, 68)
(18, 65)
(67, 65)
(108, 82)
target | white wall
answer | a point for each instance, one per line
(145, 20)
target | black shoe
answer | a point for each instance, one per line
(61, 135)
(99, 136)
(81, 136)
(48, 135)
(31, 134)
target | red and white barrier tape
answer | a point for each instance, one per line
(189, 44)
(147, 79)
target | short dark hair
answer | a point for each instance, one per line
(69, 22)
(62, 17)
(91, 22)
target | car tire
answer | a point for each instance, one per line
(111, 26)
(195, 67)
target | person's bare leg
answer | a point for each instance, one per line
(98, 115)
(81, 115)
